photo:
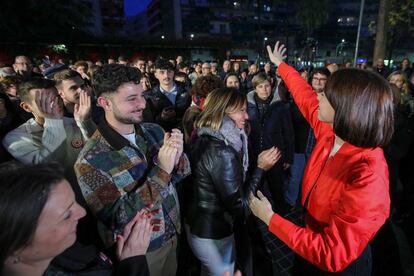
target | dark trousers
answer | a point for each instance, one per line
(362, 266)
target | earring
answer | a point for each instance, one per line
(17, 259)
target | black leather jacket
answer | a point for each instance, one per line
(218, 195)
(157, 102)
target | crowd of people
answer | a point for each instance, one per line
(140, 167)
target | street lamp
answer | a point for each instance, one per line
(265, 39)
(191, 36)
(343, 40)
(162, 37)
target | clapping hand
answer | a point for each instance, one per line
(176, 139)
(167, 154)
(136, 236)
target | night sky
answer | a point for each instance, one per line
(133, 7)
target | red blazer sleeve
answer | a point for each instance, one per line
(304, 97)
(363, 209)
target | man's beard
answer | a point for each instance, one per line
(129, 120)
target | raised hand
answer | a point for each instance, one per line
(167, 155)
(278, 54)
(49, 103)
(82, 110)
(136, 236)
(261, 207)
(177, 141)
(268, 158)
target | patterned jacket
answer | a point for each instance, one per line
(118, 179)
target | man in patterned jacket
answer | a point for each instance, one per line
(129, 165)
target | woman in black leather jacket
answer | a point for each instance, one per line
(219, 161)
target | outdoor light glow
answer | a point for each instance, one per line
(343, 40)
(265, 39)
(162, 37)
(192, 35)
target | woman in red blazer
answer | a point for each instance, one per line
(345, 188)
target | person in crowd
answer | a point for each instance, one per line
(232, 80)
(196, 74)
(128, 165)
(49, 135)
(8, 86)
(140, 64)
(166, 102)
(226, 68)
(345, 189)
(58, 131)
(271, 126)
(178, 60)
(39, 208)
(202, 87)
(172, 61)
(6, 70)
(318, 82)
(214, 68)
(253, 71)
(381, 68)
(236, 68)
(205, 69)
(406, 98)
(244, 80)
(348, 64)
(406, 68)
(145, 82)
(122, 60)
(267, 69)
(182, 78)
(24, 68)
(183, 68)
(219, 161)
(332, 67)
(82, 67)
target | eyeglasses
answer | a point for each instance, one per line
(319, 79)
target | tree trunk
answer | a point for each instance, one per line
(381, 35)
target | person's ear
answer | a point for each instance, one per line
(104, 102)
(26, 107)
(60, 92)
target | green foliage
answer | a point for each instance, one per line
(400, 12)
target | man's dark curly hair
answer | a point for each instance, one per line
(108, 78)
(205, 84)
(164, 64)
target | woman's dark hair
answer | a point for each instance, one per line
(205, 84)
(23, 195)
(363, 104)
